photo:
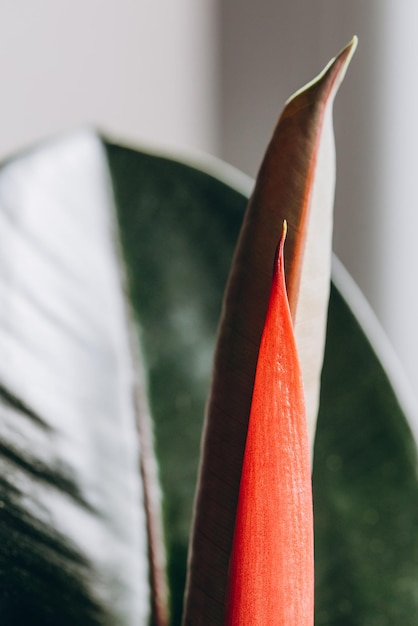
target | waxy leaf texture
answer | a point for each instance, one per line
(271, 578)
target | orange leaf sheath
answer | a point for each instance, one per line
(271, 579)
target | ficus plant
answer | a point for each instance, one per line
(155, 462)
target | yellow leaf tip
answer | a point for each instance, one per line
(353, 43)
(279, 251)
(346, 53)
(342, 61)
(284, 230)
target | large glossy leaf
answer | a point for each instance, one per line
(365, 474)
(178, 228)
(170, 207)
(71, 525)
(73, 546)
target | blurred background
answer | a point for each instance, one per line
(212, 76)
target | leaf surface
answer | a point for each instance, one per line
(73, 541)
(365, 474)
(271, 575)
(365, 481)
(178, 227)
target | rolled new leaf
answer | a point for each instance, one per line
(271, 579)
(295, 182)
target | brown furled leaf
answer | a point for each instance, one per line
(295, 183)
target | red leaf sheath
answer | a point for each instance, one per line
(271, 570)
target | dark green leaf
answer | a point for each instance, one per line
(186, 226)
(178, 228)
(365, 479)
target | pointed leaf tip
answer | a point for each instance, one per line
(343, 59)
(330, 78)
(271, 569)
(279, 258)
(284, 233)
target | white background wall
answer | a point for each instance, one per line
(145, 70)
(213, 75)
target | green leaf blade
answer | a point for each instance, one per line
(365, 482)
(178, 227)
